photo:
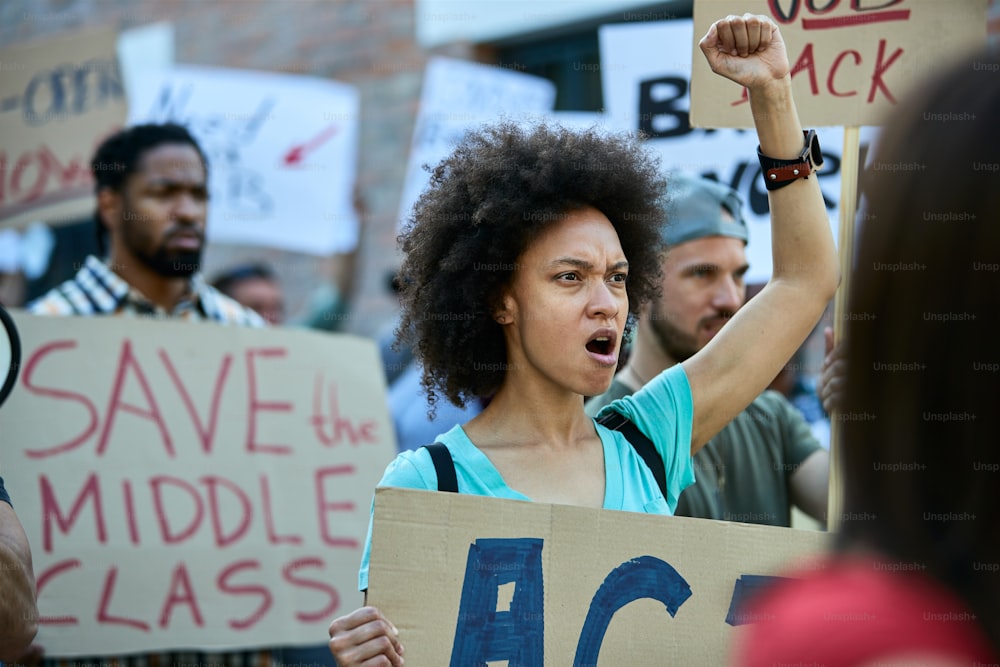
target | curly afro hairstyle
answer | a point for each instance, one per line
(503, 185)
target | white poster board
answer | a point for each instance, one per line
(143, 51)
(459, 95)
(282, 152)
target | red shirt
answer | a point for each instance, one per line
(844, 613)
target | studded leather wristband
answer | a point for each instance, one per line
(779, 173)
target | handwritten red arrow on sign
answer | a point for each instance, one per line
(296, 154)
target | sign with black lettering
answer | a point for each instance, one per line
(282, 152)
(59, 98)
(851, 60)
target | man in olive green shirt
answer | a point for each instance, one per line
(766, 459)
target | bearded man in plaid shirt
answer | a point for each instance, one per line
(152, 206)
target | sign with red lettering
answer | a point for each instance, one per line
(470, 580)
(646, 77)
(59, 98)
(851, 60)
(192, 485)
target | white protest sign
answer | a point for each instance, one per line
(192, 485)
(646, 77)
(282, 152)
(583, 120)
(142, 51)
(457, 96)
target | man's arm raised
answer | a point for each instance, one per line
(749, 351)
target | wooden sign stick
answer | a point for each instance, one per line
(845, 245)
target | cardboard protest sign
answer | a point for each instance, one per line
(192, 485)
(459, 95)
(646, 77)
(851, 61)
(469, 580)
(281, 148)
(59, 98)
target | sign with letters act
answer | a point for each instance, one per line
(851, 60)
(469, 580)
(59, 98)
(192, 485)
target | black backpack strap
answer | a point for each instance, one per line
(643, 446)
(444, 467)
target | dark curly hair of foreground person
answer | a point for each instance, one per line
(502, 186)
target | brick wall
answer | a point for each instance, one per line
(368, 44)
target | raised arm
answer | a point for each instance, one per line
(749, 351)
(18, 613)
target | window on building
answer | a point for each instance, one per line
(571, 56)
(572, 62)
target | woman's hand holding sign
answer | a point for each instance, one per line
(365, 637)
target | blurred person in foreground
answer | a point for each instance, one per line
(766, 459)
(18, 613)
(18, 609)
(915, 575)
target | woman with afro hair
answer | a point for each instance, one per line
(525, 258)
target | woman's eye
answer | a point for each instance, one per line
(567, 276)
(619, 277)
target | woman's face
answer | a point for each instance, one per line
(564, 313)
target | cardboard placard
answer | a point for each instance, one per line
(646, 77)
(59, 98)
(189, 484)
(851, 61)
(472, 580)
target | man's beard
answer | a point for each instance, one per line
(163, 261)
(679, 345)
(172, 263)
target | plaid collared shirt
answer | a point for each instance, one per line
(259, 658)
(97, 290)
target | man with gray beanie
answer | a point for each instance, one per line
(766, 459)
